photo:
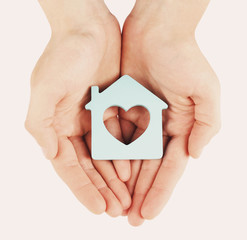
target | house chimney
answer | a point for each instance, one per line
(94, 91)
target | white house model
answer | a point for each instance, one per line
(126, 93)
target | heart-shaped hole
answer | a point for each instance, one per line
(126, 126)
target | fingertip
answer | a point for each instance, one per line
(94, 202)
(49, 144)
(135, 219)
(195, 153)
(113, 206)
(124, 175)
(135, 224)
(152, 206)
(49, 154)
(146, 214)
(101, 208)
(123, 169)
(149, 214)
(134, 215)
(126, 202)
(114, 210)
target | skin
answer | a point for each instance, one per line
(160, 51)
(77, 57)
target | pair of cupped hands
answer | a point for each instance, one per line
(95, 53)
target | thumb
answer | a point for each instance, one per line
(207, 119)
(39, 121)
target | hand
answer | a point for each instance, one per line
(74, 60)
(170, 64)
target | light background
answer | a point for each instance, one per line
(209, 201)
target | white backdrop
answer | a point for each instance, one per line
(210, 202)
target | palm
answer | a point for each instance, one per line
(176, 72)
(63, 76)
(81, 62)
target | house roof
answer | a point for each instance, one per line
(128, 89)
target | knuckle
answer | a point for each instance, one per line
(113, 181)
(103, 188)
(164, 189)
(151, 165)
(170, 165)
(86, 163)
(174, 167)
(65, 167)
(81, 187)
(71, 164)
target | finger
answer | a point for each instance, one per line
(130, 184)
(107, 171)
(133, 123)
(144, 182)
(68, 168)
(113, 206)
(135, 169)
(207, 119)
(122, 166)
(138, 116)
(135, 165)
(145, 179)
(171, 169)
(40, 118)
(128, 129)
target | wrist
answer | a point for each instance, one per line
(174, 18)
(75, 16)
